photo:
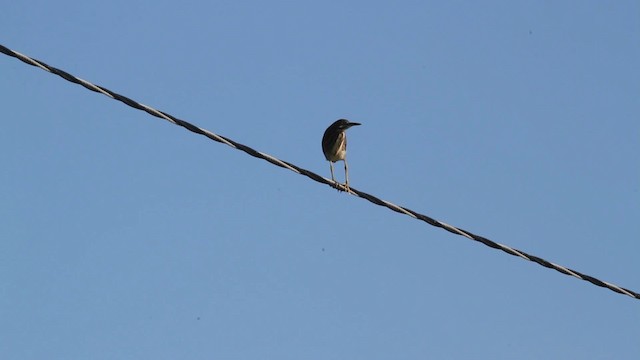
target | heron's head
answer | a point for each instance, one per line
(343, 124)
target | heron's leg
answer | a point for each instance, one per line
(333, 177)
(346, 174)
(331, 167)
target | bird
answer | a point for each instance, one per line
(334, 146)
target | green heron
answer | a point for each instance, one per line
(334, 146)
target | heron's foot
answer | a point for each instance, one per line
(336, 185)
(341, 187)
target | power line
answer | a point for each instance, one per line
(316, 177)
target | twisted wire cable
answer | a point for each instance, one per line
(316, 177)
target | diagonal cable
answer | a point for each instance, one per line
(316, 177)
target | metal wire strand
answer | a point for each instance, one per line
(316, 177)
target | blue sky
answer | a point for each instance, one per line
(126, 237)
